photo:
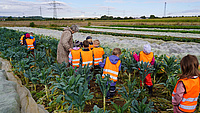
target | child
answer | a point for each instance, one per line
(89, 39)
(112, 66)
(74, 55)
(186, 91)
(86, 54)
(23, 38)
(98, 52)
(32, 37)
(146, 56)
(29, 42)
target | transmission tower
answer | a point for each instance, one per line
(165, 10)
(108, 11)
(54, 3)
(40, 11)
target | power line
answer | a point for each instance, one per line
(54, 3)
(108, 11)
(165, 9)
(40, 11)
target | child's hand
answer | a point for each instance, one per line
(134, 53)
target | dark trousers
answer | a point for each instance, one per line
(111, 92)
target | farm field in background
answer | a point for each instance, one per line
(184, 21)
(60, 89)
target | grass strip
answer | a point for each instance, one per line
(151, 30)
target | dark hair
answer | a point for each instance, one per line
(116, 51)
(85, 43)
(189, 66)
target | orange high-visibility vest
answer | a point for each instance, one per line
(91, 47)
(111, 69)
(29, 43)
(76, 57)
(190, 97)
(98, 54)
(87, 58)
(146, 58)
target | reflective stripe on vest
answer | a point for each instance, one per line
(76, 57)
(29, 43)
(187, 107)
(112, 77)
(189, 100)
(87, 58)
(111, 69)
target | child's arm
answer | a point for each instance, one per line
(102, 64)
(180, 90)
(70, 57)
(136, 57)
(153, 61)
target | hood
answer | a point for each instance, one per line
(113, 59)
(66, 29)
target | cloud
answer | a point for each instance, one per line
(115, 1)
(181, 1)
(29, 8)
(186, 12)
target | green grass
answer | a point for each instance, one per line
(151, 30)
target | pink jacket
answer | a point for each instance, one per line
(178, 97)
(137, 58)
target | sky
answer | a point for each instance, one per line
(98, 8)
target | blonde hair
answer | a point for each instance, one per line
(89, 40)
(116, 51)
(96, 42)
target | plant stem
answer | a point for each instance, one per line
(134, 73)
(154, 78)
(104, 103)
(46, 90)
(129, 77)
(35, 87)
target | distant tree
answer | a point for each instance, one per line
(143, 17)
(152, 16)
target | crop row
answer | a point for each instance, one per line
(164, 38)
(151, 30)
(62, 88)
(159, 26)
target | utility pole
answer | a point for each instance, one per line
(40, 11)
(108, 11)
(54, 3)
(165, 10)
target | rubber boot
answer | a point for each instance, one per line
(150, 90)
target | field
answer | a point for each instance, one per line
(62, 89)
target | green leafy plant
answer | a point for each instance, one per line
(144, 69)
(128, 63)
(122, 109)
(98, 110)
(142, 107)
(104, 84)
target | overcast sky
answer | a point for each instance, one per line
(97, 8)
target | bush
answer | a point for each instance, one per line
(32, 24)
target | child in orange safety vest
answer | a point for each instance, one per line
(89, 39)
(30, 43)
(187, 89)
(112, 66)
(86, 54)
(146, 56)
(74, 55)
(98, 52)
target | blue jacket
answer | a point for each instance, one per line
(34, 42)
